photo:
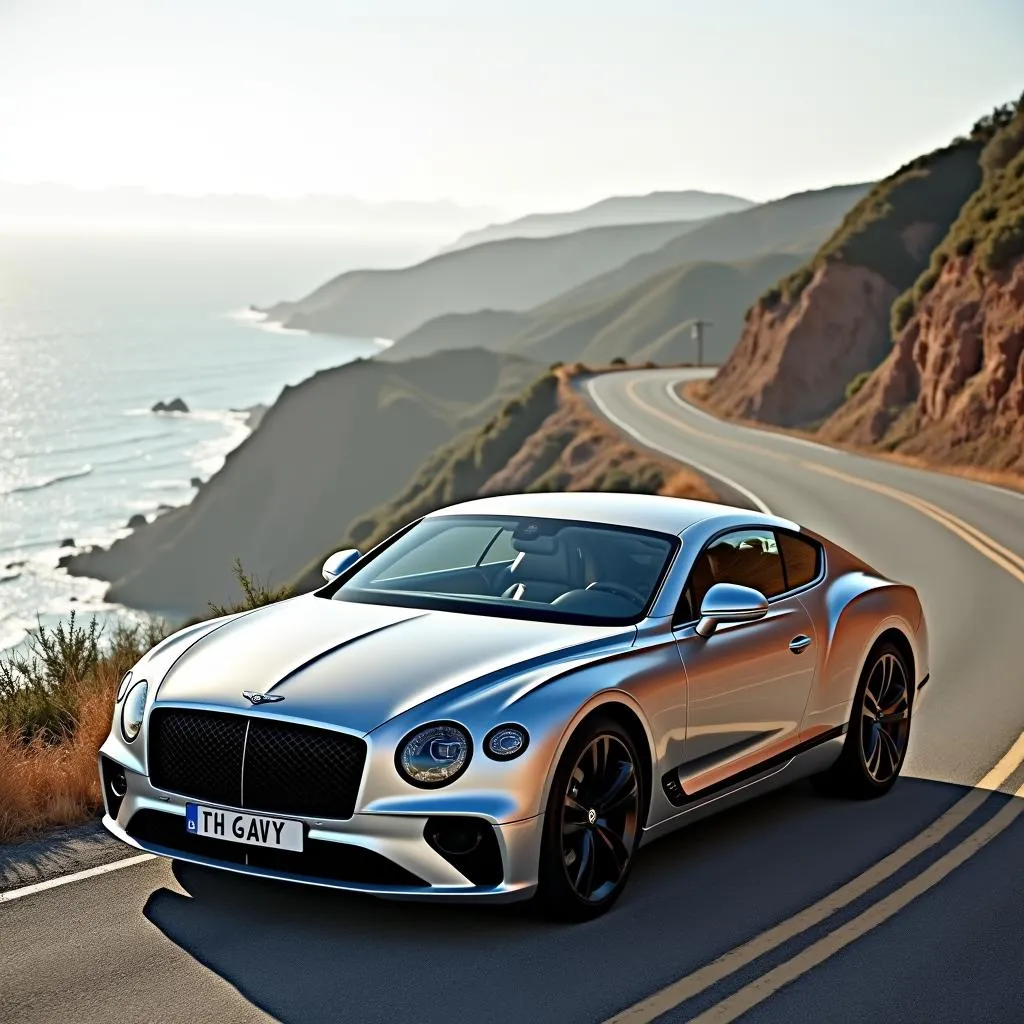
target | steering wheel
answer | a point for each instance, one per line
(619, 590)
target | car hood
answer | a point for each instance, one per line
(357, 665)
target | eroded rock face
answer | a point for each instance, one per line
(794, 361)
(952, 389)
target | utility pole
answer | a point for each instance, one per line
(697, 333)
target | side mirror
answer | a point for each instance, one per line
(337, 563)
(728, 602)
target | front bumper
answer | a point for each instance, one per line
(388, 854)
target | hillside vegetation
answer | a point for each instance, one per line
(692, 206)
(892, 230)
(795, 224)
(513, 274)
(815, 334)
(951, 391)
(327, 451)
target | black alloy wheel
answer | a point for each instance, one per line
(879, 730)
(885, 718)
(592, 823)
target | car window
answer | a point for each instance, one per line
(547, 569)
(501, 549)
(749, 558)
(802, 559)
(455, 548)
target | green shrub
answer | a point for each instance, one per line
(43, 683)
(255, 594)
(857, 383)
(925, 283)
(793, 285)
(902, 310)
(618, 361)
(1005, 245)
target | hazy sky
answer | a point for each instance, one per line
(516, 104)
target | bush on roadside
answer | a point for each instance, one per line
(56, 704)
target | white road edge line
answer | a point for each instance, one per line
(693, 410)
(675, 456)
(78, 876)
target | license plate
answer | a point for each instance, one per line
(239, 827)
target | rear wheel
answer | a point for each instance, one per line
(592, 823)
(876, 741)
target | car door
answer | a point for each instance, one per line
(748, 683)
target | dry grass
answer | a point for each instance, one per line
(56, 706)
(56, 783)
(696, 393)
(573, 449)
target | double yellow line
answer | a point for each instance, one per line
(765, 985)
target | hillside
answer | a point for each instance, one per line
(691, 205)
(827, 322)
(544, 439)
(789, 228)
(951, 390)
(795, 224)
(514, 274)
(326, 452)
(648, 322)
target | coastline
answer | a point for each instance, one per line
(39, 583)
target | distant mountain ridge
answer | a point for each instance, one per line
(648, 321)
(655, 207)
(512, 274)
(564, 272)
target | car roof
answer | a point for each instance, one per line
(640, 511)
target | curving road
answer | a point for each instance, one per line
(790, 908)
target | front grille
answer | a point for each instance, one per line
(321, 859)
(255, 763)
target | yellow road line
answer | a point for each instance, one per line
(980, 541)
(769, 983)
(704, 977)
(995, 552)
(692, 984)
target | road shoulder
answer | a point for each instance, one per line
(57, 852)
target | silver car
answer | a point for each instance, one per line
(508, 697)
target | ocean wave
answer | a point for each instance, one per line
(79, 449)
(276, 327)
(49, 481)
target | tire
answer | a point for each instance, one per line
(591, 824)
(879, 729)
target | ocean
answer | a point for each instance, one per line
(93, 331)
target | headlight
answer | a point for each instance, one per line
(123, 688)
(506, 742)
(434, 755)
(133, 711)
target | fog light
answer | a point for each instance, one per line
(118, 783)
(457, 838)
(506, 742)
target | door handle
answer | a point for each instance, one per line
(798, 643)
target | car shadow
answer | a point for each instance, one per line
(305, 954)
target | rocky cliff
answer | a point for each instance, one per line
(952, 388)
(823, 325)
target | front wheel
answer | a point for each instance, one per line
(592, 823)
(879, 731)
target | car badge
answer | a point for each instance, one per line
(261, 698)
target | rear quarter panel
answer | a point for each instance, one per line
(851, 608)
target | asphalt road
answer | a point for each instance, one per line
(906, 909)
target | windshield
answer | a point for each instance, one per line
(551, 569)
